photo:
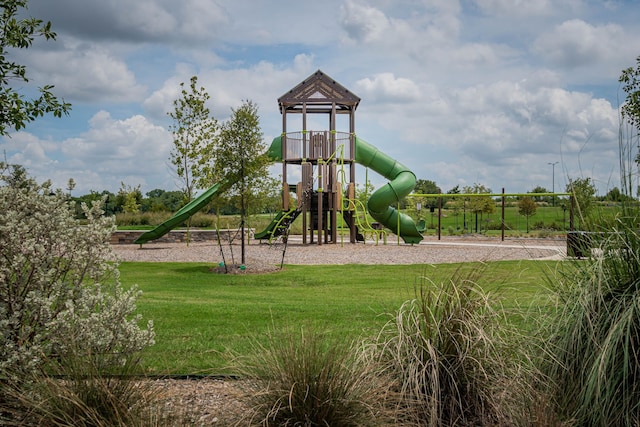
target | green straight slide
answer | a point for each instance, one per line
(270, 230)
(401, 183)
(179, 217)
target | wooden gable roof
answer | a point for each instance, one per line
(318, 91)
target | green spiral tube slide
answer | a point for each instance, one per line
(401, 183)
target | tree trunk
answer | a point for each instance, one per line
(242, 216)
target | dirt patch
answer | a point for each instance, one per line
(253, 268)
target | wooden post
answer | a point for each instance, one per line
(439, 217)
(302, 205)
(284, 149)
(285, 196)
(320, 221)
(502, 214)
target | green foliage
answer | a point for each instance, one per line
(596, 334)
(59, 286)
(479, 205)
(584, 193)
(87, 397)
(240, 159)
(628, 144)
(16, 110)
(449, 357)
(266, 195)
(110, 203)
(194, 132)
(425, 186)
(527, 207)
(130, 198)
(162, 201)
(630, 79)
(540, 189)
(482, 204)
(615, 195)
(363, 192)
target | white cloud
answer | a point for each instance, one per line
(86, 72)
(262, 83)
(519, 7)
(576, 43)
(29, 151)
(132, 150)
(385, 87)
(363, 23)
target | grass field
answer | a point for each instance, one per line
(201, 318)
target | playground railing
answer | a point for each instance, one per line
(316, 145)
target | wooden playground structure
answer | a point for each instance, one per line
(324, 160)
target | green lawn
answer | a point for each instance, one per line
(199, 316)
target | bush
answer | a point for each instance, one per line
(304, 378)
(595, 338)
(81, 394)
(201, 220)
(145, 218)
(58, 281)
(452, 361)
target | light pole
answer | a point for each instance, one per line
(553, 181)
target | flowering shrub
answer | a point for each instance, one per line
(59, 283)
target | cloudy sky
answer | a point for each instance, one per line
(461, 91)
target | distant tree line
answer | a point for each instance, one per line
(132, 200)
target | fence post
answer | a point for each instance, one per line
(502, 214)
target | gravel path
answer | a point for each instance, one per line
(260, 256)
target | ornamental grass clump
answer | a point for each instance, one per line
(303, 377)
(78, 392)
(454, 359)
(594, 357)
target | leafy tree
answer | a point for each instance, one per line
(13, 175)
(527, 207)
(584, 193)
(16, 111)
(130, 198)
(454, 190)
(540, 189)
(363, 192)
(630, 79)
(194, 131)
(71, 184)
(457, 204)
(629, 153)
(59, 289)
(615, 195)
(267, 195)
(108, 200)
(479, 204)
(426, 186)
(240, 159)
(159, 200)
